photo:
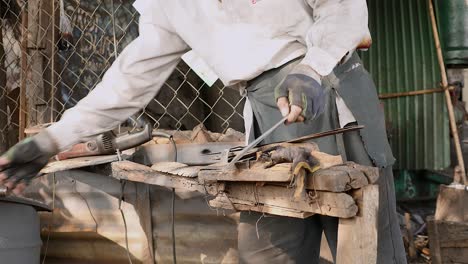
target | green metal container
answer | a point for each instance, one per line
(452, 18)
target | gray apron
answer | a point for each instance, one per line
(273, 239)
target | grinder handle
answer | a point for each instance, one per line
(132, 140)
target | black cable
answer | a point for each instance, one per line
(122, 188)
(49, 224)
(174, 255)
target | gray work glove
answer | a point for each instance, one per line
(301, 96)
(21, 163)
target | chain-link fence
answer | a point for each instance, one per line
(53, 52)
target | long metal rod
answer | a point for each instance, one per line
(326, 133)
(258, 140)
(414, 93)
(448, 99)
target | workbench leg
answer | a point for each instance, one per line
(357, 236)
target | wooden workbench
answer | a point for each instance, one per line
(349, 194)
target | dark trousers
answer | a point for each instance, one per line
(266, 238)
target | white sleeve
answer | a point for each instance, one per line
(340, 26)
(130, 83)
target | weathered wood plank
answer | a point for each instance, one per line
(452, 204)
(77, 163)
(325, 203)
(176, 168)
(257, 173)
(357, 236)
(127, 170)
(222, 202)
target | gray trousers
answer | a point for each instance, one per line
(266, 238)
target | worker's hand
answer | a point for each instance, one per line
(21, 163)
(301, 97)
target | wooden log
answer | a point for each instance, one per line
(357, 236)
(452, 204)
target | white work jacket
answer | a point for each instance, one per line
(238, 39)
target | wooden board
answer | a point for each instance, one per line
(256, 173)
(325, 203)
(452, 204)
(176, 168)
(222, 201)
(77, 163)
(127, 170)
(357, 236)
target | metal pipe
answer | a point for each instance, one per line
(448, 99)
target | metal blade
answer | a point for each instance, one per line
(258, 140)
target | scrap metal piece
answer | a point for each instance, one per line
(187, 153)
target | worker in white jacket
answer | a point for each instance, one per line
(291, 58)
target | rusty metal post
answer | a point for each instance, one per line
(53, 57)
(3, 95)
(24, 71)
(448, 99)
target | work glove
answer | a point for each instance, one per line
(300, 157)
(301, 96)
(21, 163)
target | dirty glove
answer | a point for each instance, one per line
(21, 163)
(301, 96)
(300, 157)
